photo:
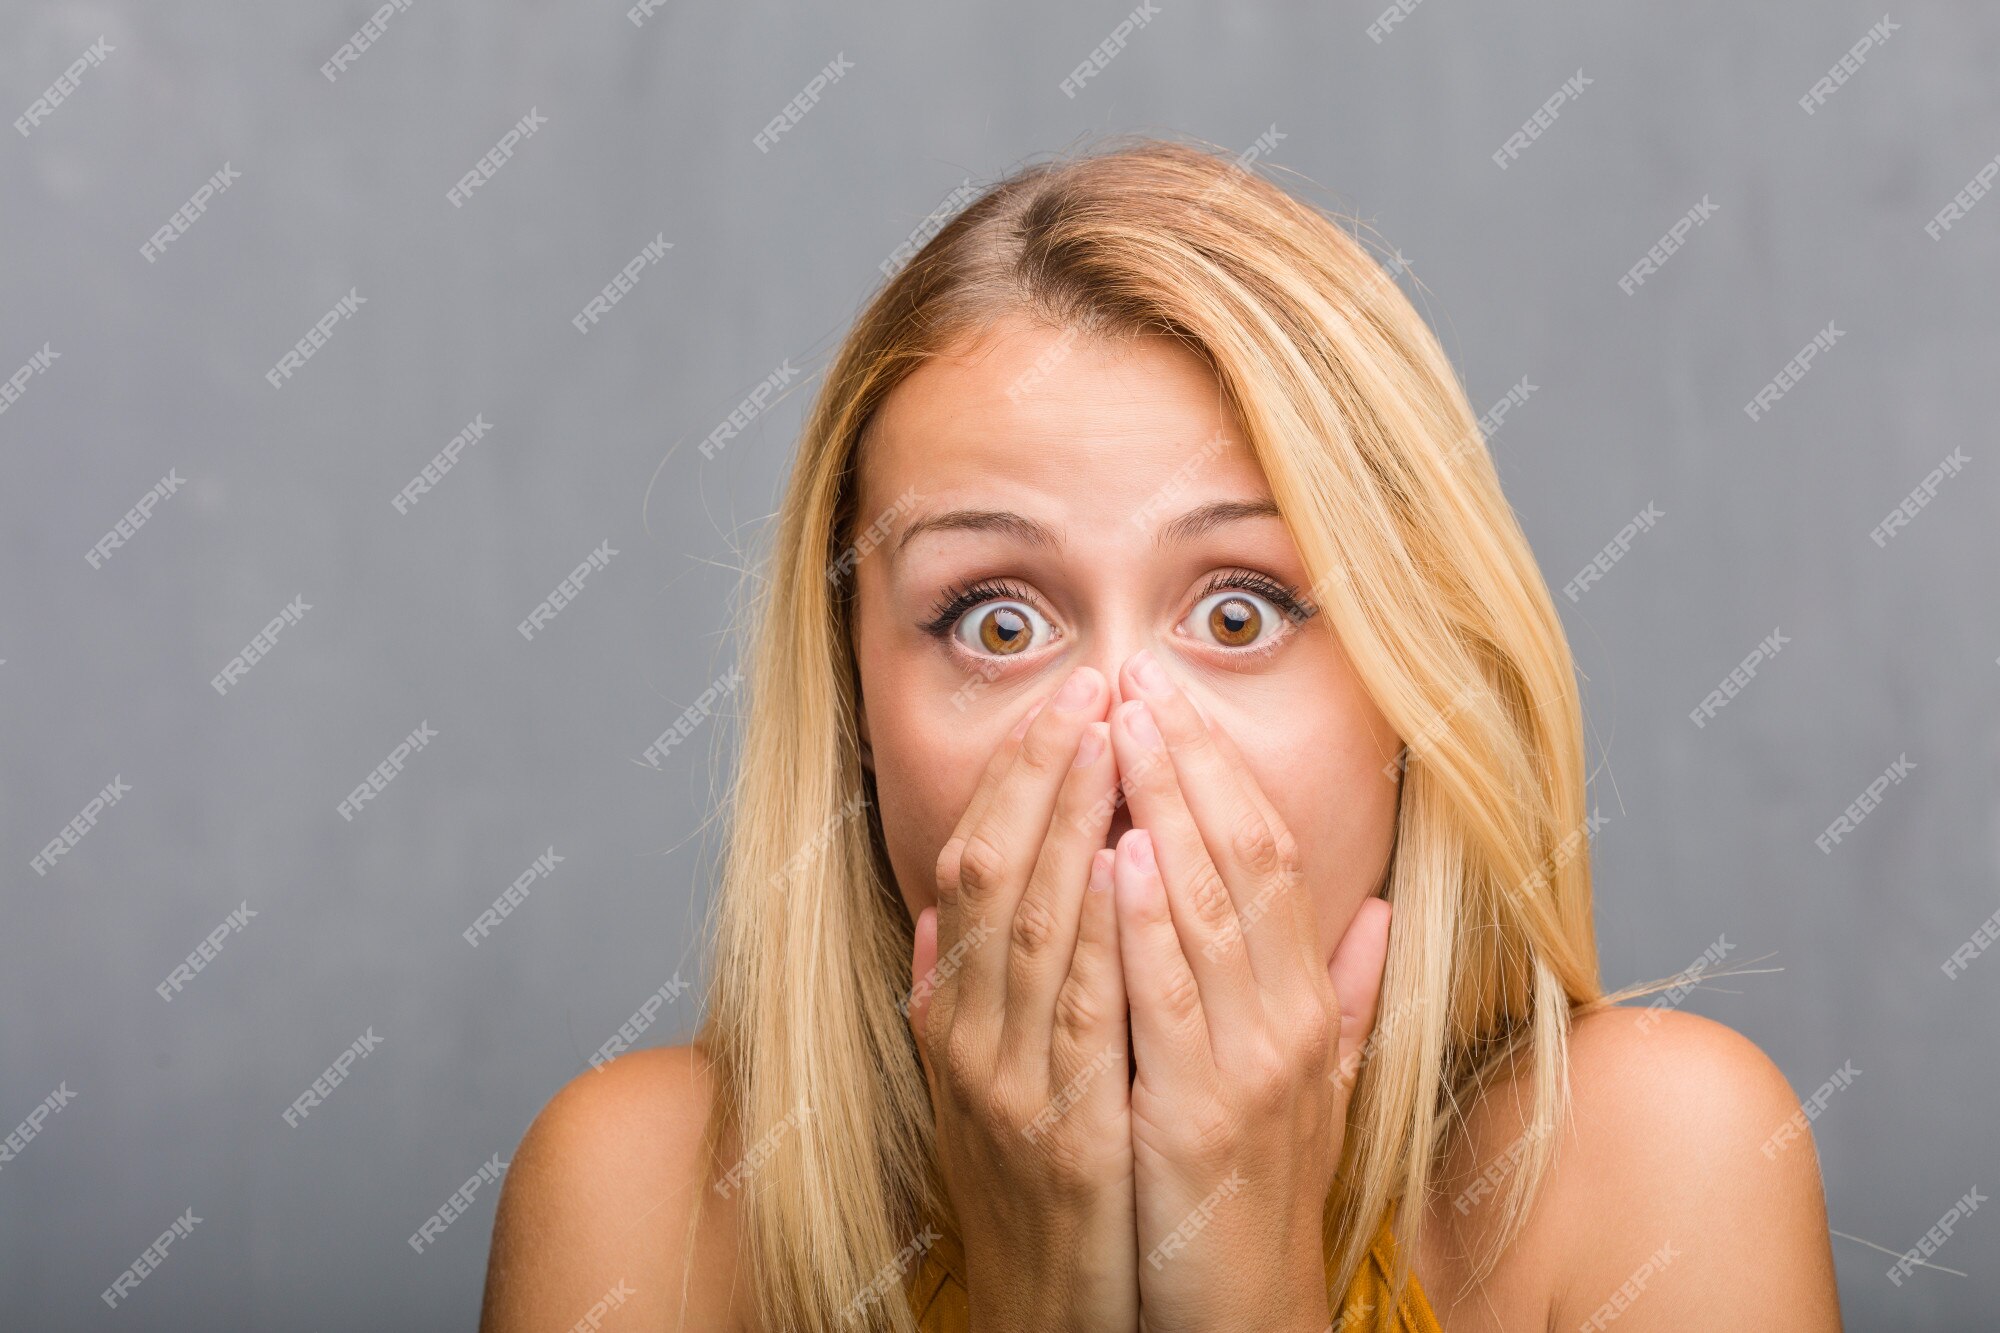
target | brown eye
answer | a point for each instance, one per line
(1235, 619)
(1001, 629)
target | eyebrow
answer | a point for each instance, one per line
(1186, 527)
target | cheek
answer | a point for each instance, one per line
(925, 773)
(1324, 773)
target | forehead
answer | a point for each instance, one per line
(1073, 427)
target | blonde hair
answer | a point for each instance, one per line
(1381, 472)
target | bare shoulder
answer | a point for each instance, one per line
(597, 1211)
(1685, 1190)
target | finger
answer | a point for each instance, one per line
(923, 983)
(1044, 939)
(1251, 850)
(951, 927)
(1356, 977)
(1204, 917)
(1170, 1032)
(1088, 1057)
(1000, 850)
(1291, 909)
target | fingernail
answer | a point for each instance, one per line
(1100, 871)
(1141, 843)
(1144, 729)
(1021, 727)
(1078, 690)
(1150, 678)
(1089, 747)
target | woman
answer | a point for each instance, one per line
(1250, 983)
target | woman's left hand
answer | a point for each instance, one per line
(1244, 1040)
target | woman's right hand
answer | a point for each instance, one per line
(1020, 1015)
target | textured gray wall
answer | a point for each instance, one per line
(1890, 649)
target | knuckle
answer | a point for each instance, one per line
(1180, 998)
(1034, 928)
(1077, 1011)
(1254, 845)
(963, 1066)
(1209, 897)
(945, 873)
(982, 867)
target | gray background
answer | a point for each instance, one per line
(1638, 398)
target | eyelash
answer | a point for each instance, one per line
(962, 597)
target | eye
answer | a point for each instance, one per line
(990, 619)
(1002, 629)
(1231, 615)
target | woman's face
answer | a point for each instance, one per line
(1064, 470)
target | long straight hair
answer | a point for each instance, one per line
(1383, 477)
